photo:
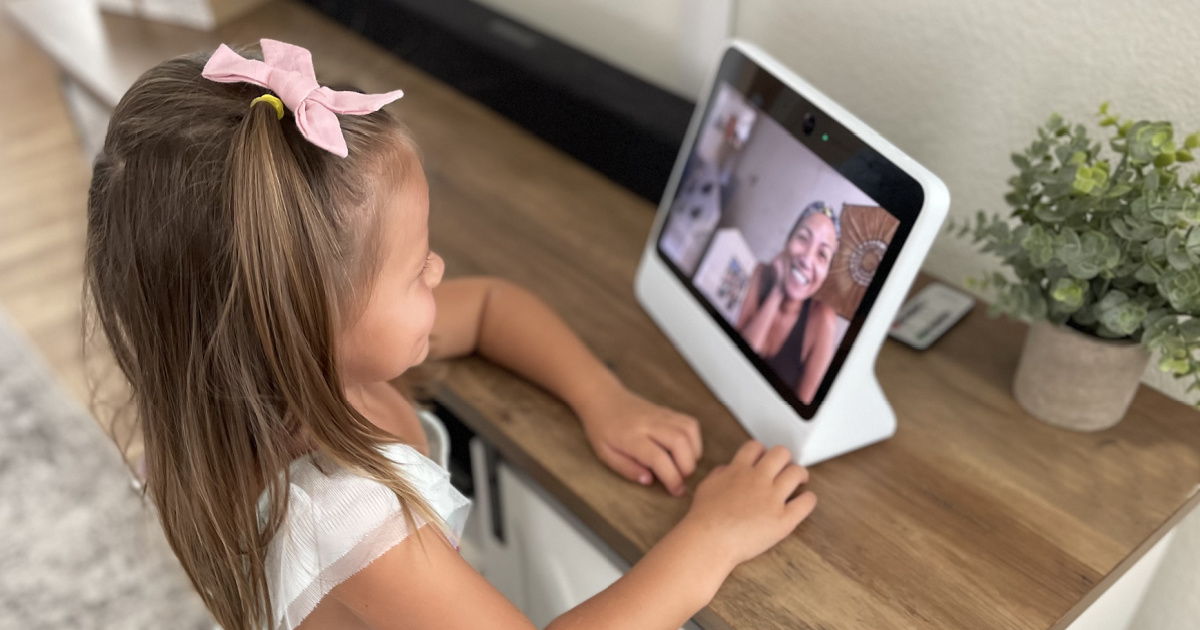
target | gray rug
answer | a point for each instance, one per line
(77, 547)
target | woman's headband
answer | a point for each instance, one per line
(820, 207)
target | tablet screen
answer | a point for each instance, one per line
(783, 226)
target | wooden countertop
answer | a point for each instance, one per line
(973, 516)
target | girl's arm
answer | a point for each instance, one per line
(511, 327)
(738, 512)
(423, 583)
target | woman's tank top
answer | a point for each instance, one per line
(788, 363)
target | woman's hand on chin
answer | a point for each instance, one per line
(781, 273)
(641, 440)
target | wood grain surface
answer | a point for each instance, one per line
(974, 516)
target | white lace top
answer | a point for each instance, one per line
(338, 522)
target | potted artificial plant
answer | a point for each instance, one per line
(1103, 250)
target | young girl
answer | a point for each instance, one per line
(258, 258)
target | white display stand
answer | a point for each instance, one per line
(855, 411)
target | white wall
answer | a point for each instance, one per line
(670, 43)
(636, 36)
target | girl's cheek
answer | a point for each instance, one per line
(430, 310)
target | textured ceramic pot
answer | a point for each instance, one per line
(1076, 381)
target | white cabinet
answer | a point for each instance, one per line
(529, 547)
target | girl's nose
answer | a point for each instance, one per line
(437, 267)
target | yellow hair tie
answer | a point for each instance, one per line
(274, 101)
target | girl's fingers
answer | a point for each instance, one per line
(773, 461)
(652, 456)
(692, 429)
(800, 507)
(749, 453)
(626, 466)
(679, 446)
(790, 478)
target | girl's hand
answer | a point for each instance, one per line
(743, 508)
(641, 440)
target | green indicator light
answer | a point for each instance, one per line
(825, 136)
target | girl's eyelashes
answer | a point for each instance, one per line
(425, 267)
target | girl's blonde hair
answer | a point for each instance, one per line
(224, 255)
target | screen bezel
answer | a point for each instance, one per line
(895, 190)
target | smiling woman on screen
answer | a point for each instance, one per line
(792, 332)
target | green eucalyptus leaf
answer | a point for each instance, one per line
(1192, 243)
(1177, 365)
(1190, 329)
(1182, 289)
(1068, 246)
(1118, 190)
(1146, 274)
(1153, 180)
(1109, 258)
(1119, 314)
(1140, 208)
(1156, 322)
(1122, 228)
(1085, 317)
(1083, 184)
(1084, 268)
(1156, 249)
(1037, 306)
(1068, 294)
(1047, 176)
(1179, 260)
(1146, 140)
(1174, 240)
(1108, 241)
(1189, 210)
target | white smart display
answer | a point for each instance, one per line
(785, 242)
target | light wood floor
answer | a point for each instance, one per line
(43, 191)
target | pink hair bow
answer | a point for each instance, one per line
(287, 71)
